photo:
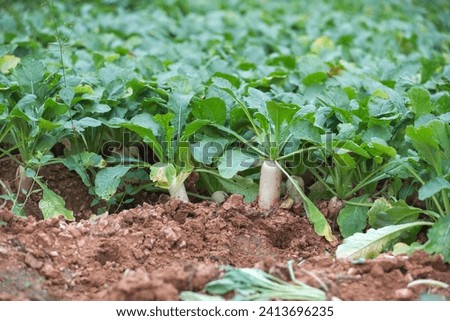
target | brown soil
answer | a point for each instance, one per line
(152, 252)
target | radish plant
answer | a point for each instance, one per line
(392, 222)
(167, 136)
(36, 125)
(278, 133)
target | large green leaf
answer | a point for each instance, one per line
(212, 109)
(29, 72)
(80, 162)
(280, 116)
(420, 101)
(53, 205)
(353, 218)
(178, 104)
(257, 100)
(382, 213)
(234, 161)
(373, 242)
(146, 127)
(439, 238)
(240, 185)
(432, 187)
(428, 148)
(108, 179)
(208, 148)
(320, 223)
(193, 127)
(302, 129)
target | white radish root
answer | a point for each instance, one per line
(178, 192)
(269, 185)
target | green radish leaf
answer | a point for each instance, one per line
(353, 218)
(46, 125)
(67, 95)
(429, 66)
(281, 116)
(146, 121)
(344, 159)
(368, 245)
(313, 70)
(420, 101)
(382, 108)
(441, 132)
(180, 84)
(381, 205)
(8, 63)
(302, 129)
(115, 90)
(3, 112)
(53, 205)
(30, 71)
(257, 100)
(439, 238)
(53, 109)
(83, 123)
(262, 122)
(193, 127)
(378, 147)
(24, 109)
(212, 109)
(320, 223)
(146, 127)
(108, 179)
(347, 132)
(165, 176)
(98, 108)
(342, 147)
(178, 104)
(79, 163)
(240, 185)
(432, 187)
(208, 148)
(384, 214)
(234, 161)
(428, 148)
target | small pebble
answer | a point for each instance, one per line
(352, 271)
(403, 294)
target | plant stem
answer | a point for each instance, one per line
(446, 201)
(358, 204)
(296, 153)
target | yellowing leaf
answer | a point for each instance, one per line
(8, 63)
(321, 44)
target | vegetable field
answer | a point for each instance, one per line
(211, 150)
